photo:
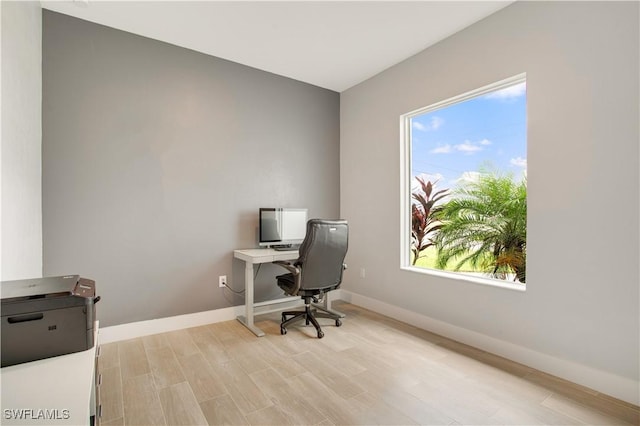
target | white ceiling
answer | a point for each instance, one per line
(331, 44)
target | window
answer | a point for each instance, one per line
(464, 186)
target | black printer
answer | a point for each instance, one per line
(46, 317)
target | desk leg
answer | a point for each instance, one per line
(247, 320)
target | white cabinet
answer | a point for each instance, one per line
(53, 391)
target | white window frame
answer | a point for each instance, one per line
(405, 185)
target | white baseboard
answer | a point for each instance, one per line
(610, 384)
(132, 330)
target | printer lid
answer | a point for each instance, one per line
(46, 286)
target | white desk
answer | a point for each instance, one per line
(255, 256)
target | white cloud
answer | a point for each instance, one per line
(467, 147)
(468, 177)
(436, 122)
(519, 162)
(443, 149)
(419, 126)
(509, 92)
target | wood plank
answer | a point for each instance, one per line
(109, 356)
(373, 410)
(247, 396)
(587, 397)
(115, 422)
(201, 377)
(181, 342)
(457, 399)
(325, 400)
(223, 411)
(164, 366)
(585, 414)
(133, 359)
(155, 341)
(208, 344)
(282, 364)
(329, 375)
(419, 411)
(269, 416)
(141, 402)
(249, 356)
(180, 406)
(297, 408)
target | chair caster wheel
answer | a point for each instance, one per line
(283, 331)
(320, 334)
(338, 323)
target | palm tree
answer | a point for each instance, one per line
(486, 225)
(423, 214)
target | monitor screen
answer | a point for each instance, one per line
(282, 226)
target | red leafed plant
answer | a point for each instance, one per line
(424, 223)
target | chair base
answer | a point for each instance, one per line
(309, 315)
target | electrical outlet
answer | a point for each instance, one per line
(362, 273)
(222, 280)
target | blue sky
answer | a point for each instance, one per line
(453, 143)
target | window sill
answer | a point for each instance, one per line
(467, 278)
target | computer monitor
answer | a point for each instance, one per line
(282, 227)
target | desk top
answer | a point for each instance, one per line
(264, 255)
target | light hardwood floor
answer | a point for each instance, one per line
(372, 370)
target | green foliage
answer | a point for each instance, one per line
(423, 222)
(429, 257)
(485, 225)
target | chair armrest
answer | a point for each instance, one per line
(288, 266)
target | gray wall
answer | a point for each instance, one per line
(582, 298)
(156, 160)
(21, 199)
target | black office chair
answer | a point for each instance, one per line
(318, 270)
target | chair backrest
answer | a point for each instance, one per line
(322, 254)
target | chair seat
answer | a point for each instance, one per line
(287, 283)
